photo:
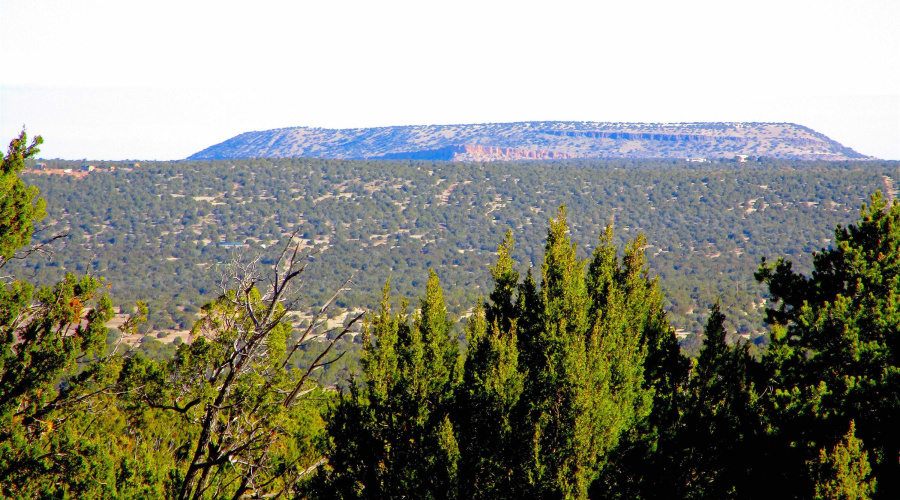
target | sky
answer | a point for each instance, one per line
(161, 80)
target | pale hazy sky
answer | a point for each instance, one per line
(163, 79)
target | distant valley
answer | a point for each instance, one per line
(551, 140)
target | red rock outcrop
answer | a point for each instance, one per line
(492, 153)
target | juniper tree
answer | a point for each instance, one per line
(558, 391)
(487, 400)
(835, 350)
(581, 341)
(366, 428)
(20, 207)
(843, 474)
(393, 437)
(713, 450)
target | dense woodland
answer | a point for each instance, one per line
(153, 230)
(568, 382)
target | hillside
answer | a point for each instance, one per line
(536, 141)
(155, 230)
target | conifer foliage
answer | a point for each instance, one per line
(85, 415)
(488, 409)
(554, 375)
(719, 421)
(835, 351)
(392, 437)
(43, 334)
(584, 380)
(20, 207)
(843, 474)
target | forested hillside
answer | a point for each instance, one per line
(155, 230)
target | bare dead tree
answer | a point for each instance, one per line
(245, 328)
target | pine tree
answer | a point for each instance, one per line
(835, 353)
(44, 333)
(844, 473)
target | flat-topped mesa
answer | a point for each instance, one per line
(537, 141)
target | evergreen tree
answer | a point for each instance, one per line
(643, 464)
(19, 206)
(843, 474)
(720, 423)
(491, 387)
(394, 438)
(582, 342)
(433, 370)
(558, 391)
(44, 333)
(554, 376)
(835, 352)
(368, 428)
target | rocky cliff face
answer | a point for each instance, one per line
(537, 141)
(469, 152)
(488, 153)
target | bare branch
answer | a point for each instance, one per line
(326, 363)
(291, 397)
(316, 317)
(175, 407)
(40, 248)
